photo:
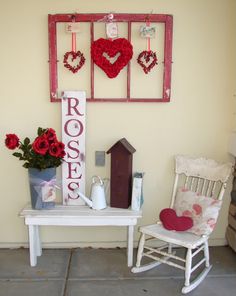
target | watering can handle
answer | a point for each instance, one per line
(98, 178)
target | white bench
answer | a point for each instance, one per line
(77, 216)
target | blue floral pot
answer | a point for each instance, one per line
(38, 179)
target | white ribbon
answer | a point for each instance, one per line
(51, 183)
(45, 188)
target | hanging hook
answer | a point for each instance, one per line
(73, 17)
(110, 17)
(147, 19)
(107, 18)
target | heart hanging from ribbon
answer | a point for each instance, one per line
(74, 60)
(147, 59)
(103, 51)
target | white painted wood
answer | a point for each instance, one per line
(165, 259)
(140, 249)
(38, 246)
(199, 249)
(130, 244)
(198, 184)
(175, 187)
(73, 106)
(204, 187)
(197, 281)
(188, 266)
(213, 189)
(32, 245)
(145, 267)
(185, 239)
(191, 184)
(206, 254)
(186, 182)
(191, 170)
(77, 216)
(198, 264)
(208, 191)
(202, 167)
(158, 251)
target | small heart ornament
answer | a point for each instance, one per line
(119, 50)
(147, 60)
(171, 221)
(73, 60)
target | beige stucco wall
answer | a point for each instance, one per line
(197, 121)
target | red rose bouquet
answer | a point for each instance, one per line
(45, 151)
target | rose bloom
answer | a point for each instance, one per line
(62, 147)
(12, 141)
(51, 135)
(40, 145)
(54, 150)
(63, 153)
(57, 149)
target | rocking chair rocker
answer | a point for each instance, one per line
(201, 180)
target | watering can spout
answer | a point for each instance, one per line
(84, 198)
(98, 198)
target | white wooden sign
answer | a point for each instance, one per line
(73, 136)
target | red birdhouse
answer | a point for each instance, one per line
(121, 173)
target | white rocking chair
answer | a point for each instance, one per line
(206, 177)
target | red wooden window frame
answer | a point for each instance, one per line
(120, 17)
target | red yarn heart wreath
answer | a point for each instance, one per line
(74, 57)
(171, 221)
(103, 49)
(146, 57)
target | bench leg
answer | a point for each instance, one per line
(38, 246)
(34, 244)
(130, 245)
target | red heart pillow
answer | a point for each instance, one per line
(171, 221)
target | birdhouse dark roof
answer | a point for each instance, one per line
(125, 144)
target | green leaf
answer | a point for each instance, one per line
(17, 154)
(26, 165)
(26, 141)
(40, 131)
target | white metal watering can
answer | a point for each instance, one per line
(97, 200)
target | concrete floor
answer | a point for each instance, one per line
(103, 272)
